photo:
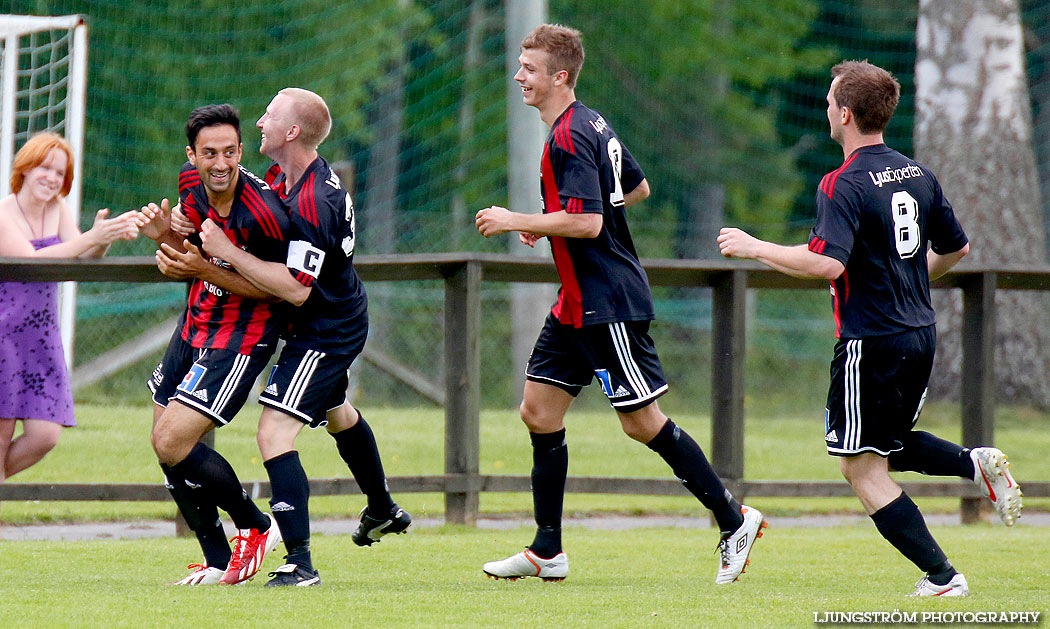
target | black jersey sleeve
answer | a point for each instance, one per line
(314, 231)
(943, 230)
(836, 226)
(631, 172)
(578, 177)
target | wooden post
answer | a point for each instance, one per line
(978, 373)
(181, 528)
(463, 389)
(728, 345)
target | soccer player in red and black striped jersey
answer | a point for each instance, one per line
(599, 325)
(883, 230)
(308, 385)
(223, 342)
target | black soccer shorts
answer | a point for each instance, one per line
(620, 355)
(307, 383)
(214, 382)
(878, 387)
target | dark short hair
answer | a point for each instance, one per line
(870, 92)
(563, 47)
(209, 116)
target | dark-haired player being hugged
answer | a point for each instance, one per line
(599, 326)
(883, 230)
(308, 385)
(223, 341)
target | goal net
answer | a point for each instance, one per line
(43, 83)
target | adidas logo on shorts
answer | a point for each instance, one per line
(620, 392)
(201, 395)
(271, 389)
(831, 437)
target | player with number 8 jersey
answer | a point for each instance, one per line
(875, 214)
(883, 230)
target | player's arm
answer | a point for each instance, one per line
(640, 193)
(939, 264)
(191, 264)
(498, 220)
(272, 278)
(797, 261)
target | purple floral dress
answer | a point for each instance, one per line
(34, 382)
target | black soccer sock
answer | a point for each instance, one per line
(903, 526)
(931, 455)
(201, 517)
(550, 466)
(689, 464)
(219, 484)
(357, 446)
(289, 505)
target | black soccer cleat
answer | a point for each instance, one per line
(371, 529)
(291, 574)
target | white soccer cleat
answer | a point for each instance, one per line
(956, 587)
(736, 548)
(992, 475)
(201, 575)
(249, 552)
(529, 564)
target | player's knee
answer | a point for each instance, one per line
(635, 431)
(166, 446)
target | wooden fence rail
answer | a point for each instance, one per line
(463, 275)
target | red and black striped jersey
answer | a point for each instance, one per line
(321, 255)
(258, 223)
(585, 168)
(877, 214)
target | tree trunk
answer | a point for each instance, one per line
(973, 127)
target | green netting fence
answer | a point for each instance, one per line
(721, 101)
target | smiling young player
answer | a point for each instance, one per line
(599, 326)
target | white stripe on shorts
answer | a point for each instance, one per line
(621, 342)
(229, 385)
(852, 395)
(301, 378)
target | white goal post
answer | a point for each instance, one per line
(43, 87)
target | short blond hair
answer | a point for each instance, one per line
(563, 47)
(310, 112)
(33, 153)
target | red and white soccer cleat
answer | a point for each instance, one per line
(956, 587)
(201, 575)
(736, 548)
(249, 550)
(992, 475)
(529, 564)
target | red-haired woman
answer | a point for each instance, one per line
(35, 222)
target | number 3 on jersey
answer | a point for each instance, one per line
(905, 223)
(616, 157)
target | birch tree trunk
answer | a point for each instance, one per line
(973, 126)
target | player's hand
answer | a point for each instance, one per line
(179, 223)
(155, 220)
(215, 241)
(494, 220)
(182, 266)
(106, 230)
(528, 239)
(737, 243)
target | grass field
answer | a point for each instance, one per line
(649, 577)
(432, 578)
